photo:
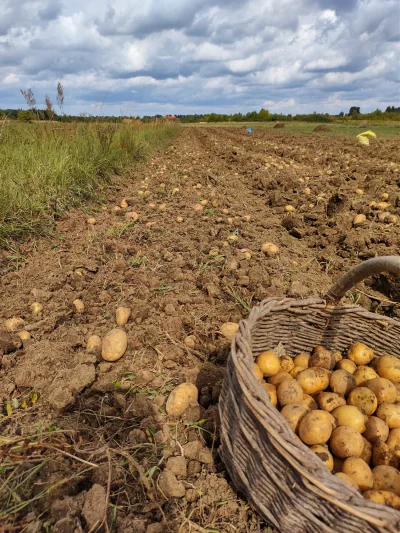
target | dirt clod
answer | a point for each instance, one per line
(170, 486)
(94, 507)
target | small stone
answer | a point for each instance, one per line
(192, 449)
(169, 309)
(137, 436)
(177, 465)
(7, 344)
(94, 507)
(194, 467)
(65, 525)
(170, 486)
(192, 495)
(144, 377)
(298, 289)
(205, 456)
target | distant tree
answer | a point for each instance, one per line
(354, 111)
(60, 97)
(341, 114)
(263, 115)
(24, 116)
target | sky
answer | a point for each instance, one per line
(146, 57)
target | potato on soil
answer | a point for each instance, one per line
(269, 363)
(270, 249)
(36, 308)
(347, 479)
(24, 335)
(393, 441)
(258, 372)
(313, 380)
(383, 497)
(271, 391)
(309, 402)
(360, 353)
(229, 330)
(350, 416)
(181, 398)
(342, 382)
(346, 364)
(367, 451)
(302, 359)
(289, 391)
(79, 305)
(376, 430)
(190, 341)
(287, 363)
(93, 344)
(364, 399)
(390, 414)
(14, 324)
(328, 401)
(359, 471)
(316, 427)
(293, 414)
(382, 454)
(324, 454)
(364, 374)
(388, 366)
(279, 378)
(386, 478)
(346, 442)
(122, 315)
(114, 345)
(322, 358)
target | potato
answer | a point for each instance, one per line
(229, 330)
(287, 363)
(346, 364)
(347, 479)
(313, 380)
(386, 478)
(364, 399)
(390, 414)
(296, 371)
(342, 382)
(269, 363)
(337, 357)
(359, 472)
(24, 335)
(279, 377)
(309, 402)
(114, 345)
(397, 385)
(271, 391)
(14, 324)
(302, 359)
(383, 389)
(351, 416)
(383, 497)
(328, 401)
(364, 374)
(376, 430)
(337, 463)
(289, 391)
(393, 441)
(316, 427)
(122, 315)
(346, 442)
(270, 249)
(190, 341)
(324, 454)
(322, 358)
(388, 367)
(293, 414)
(93, 344)
(181, 398)
(383, 455)
(258, 371)
(36, 308)
(367, 451)
(360, 353)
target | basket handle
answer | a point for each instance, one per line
(376, 265)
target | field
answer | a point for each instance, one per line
(84, 442)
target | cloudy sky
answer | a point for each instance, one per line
(139, 57)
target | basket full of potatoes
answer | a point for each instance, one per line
(310, 412)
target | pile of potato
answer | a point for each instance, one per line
(346, 409)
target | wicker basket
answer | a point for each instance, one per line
(286, 482)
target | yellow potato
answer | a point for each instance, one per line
(347, 479)
(114, 345)
(328, 401)
(324, 454)
(346, 364)
(269, 363)
(302, 359)
(367, 451)
(397, 385)
(346, 442)
(359, 471)
(393, 441)
(229, 330)
(364, 399)
(122, 315)
(14, 324)
(351, 416)
(296, 370)
(316, 427)
(287, 363)
(79, 305)
(390, 414)
(337, 356)
(342, 382)
(313, 380)
(364, 374)
(383, 389)
(257, 371)
(293, 414)
(271, 391)
(289, 391)
(181, 398)
(321, 358)
(383, 455)
(309, 402)
(386, 478)
(376, 430)
(388, 366)
(383, 497)
(360, 353)
(279, 377)
(93, 344)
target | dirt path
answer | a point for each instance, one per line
(179, 279)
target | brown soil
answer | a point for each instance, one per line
(279, 125)
(98, 432)
(322, 127)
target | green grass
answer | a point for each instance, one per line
(384, 130)
(45, 168)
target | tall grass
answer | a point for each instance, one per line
(47, 167)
